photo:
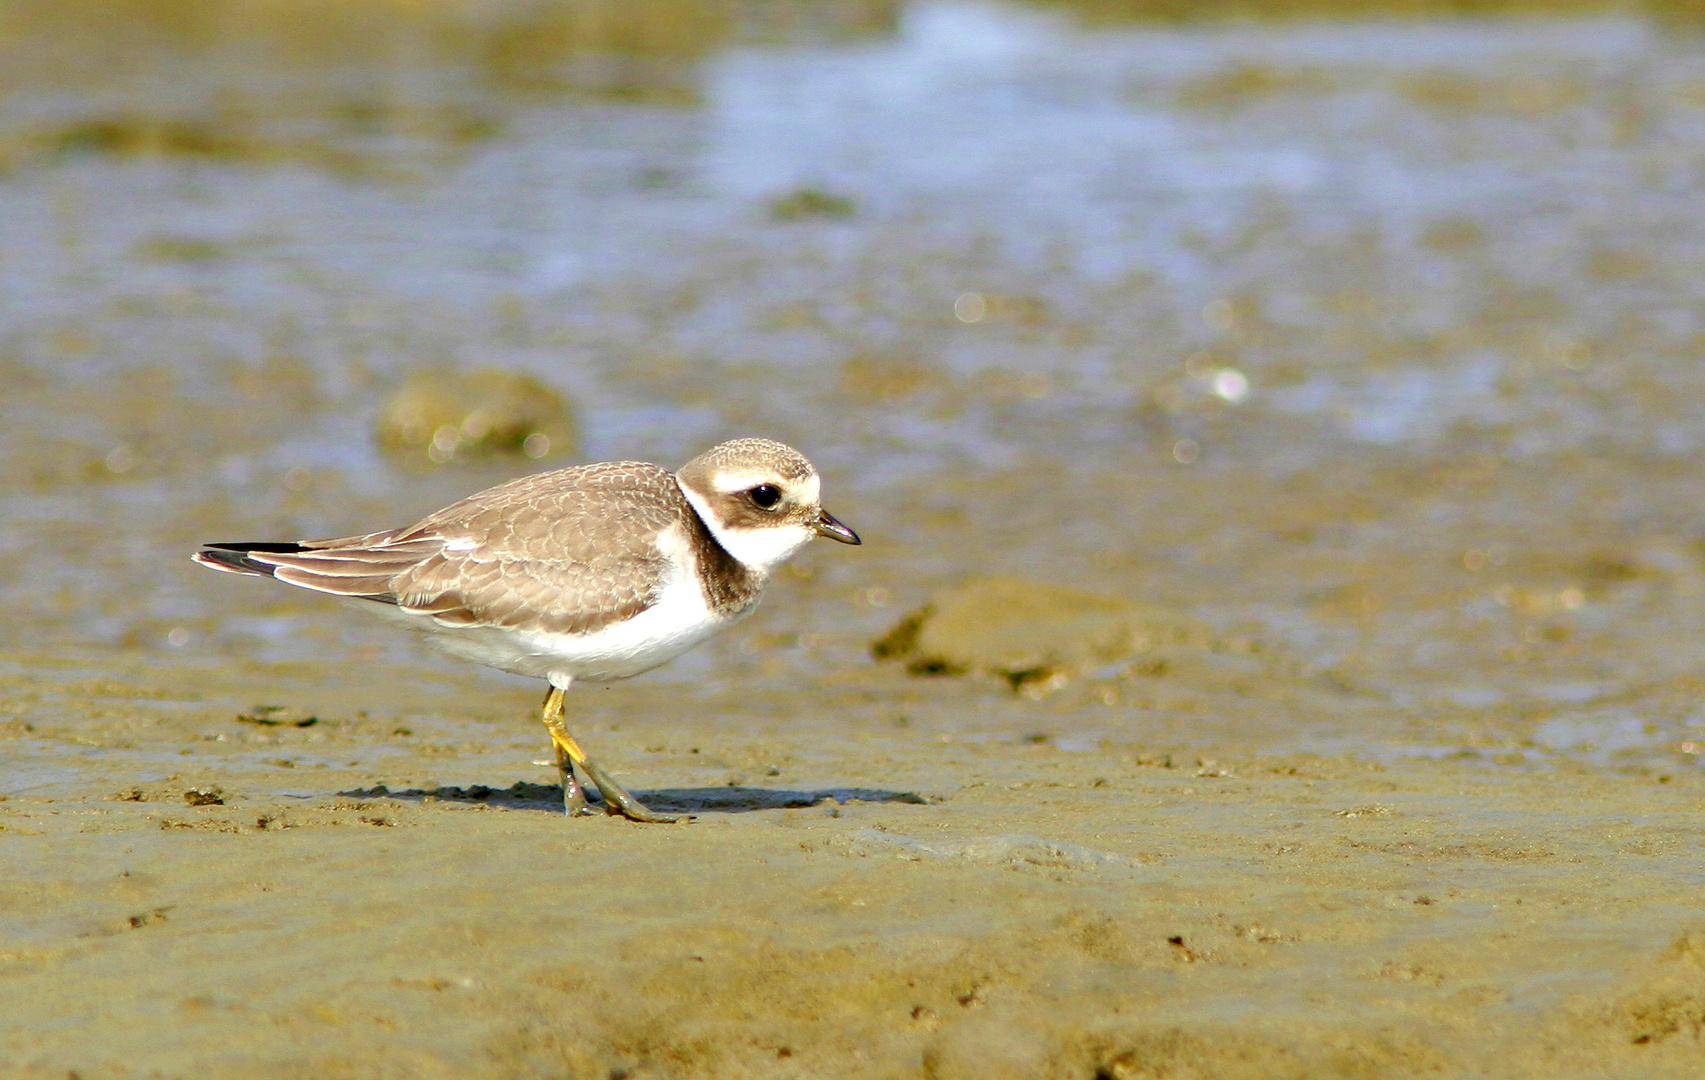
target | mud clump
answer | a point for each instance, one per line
(1668, 998)
(449, 416)
(1027, 632)
(804, 204)
(278, 716)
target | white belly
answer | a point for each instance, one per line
(677, 622)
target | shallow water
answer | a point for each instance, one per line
(1186, 267)
(1370, 344)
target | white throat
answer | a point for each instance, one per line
(759, 550)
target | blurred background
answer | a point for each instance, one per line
(1364, 337)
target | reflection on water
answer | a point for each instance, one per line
(1262, 321)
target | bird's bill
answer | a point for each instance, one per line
(834, 530)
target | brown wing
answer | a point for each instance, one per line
(569, 551)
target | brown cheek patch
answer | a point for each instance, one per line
(734, 510)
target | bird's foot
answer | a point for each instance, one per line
(574, 802)
(617, 800)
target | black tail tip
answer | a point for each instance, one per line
(235, 557)
(272, 546)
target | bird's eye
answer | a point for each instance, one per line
(765, 496)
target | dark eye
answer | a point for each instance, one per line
(765, 496)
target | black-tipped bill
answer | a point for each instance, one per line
(834, 530)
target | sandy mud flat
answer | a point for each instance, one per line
(1204, 862)
(859, 900)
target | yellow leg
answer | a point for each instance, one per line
(573, 797)
(569, 753)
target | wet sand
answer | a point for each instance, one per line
(1361, 358)
(1034, 912)
(1137, 874)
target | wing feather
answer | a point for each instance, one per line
(568, 551)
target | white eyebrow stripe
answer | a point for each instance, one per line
(806, 486)
(729, 482)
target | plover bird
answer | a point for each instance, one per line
(596, 572)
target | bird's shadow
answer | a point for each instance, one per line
(719, 800)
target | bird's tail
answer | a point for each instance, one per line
(234, 558)
(357, 566)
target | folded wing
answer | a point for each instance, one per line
(569, 551)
